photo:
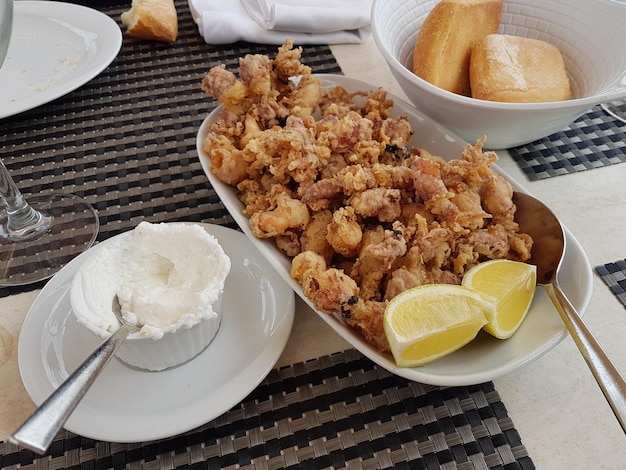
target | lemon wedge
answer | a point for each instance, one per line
(511, 284)
(430, 321)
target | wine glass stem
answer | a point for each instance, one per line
(23, 221)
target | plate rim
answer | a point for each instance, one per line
(419, 374)
(235, 389)
(109, 46)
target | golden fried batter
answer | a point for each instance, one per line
(330, 177)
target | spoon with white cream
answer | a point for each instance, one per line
(38, 431)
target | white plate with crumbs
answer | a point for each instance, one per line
(55, 48)
(133, 405)
(485, 358)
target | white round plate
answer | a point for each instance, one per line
(55, 48)
(132, 405)
(485, 358)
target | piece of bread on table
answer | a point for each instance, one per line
(152, 19)
(517, 70)
(442, 51)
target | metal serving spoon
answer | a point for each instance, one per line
(38, 431)
(542, 225)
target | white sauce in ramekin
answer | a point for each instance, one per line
(167, 277)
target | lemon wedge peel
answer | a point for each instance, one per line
(428, 322)
(511, 284)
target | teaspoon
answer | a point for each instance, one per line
(535, 219)
(38, 431)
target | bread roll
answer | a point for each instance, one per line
(518, 70)
(152, 19)
(442, 51)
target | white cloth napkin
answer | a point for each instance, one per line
(272, 21)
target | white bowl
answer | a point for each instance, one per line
(106, 272)
(591, 35)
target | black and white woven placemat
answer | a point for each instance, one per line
(126, 141)
(614, 276)
(594, 140)
(337, 411)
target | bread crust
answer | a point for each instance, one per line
(442, 51)
(152, 19)
(517, 70)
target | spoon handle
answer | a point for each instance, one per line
(38, 431)
(606, 374)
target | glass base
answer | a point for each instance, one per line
(73, 227)
(617, 109)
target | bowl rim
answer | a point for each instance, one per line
(399, 67)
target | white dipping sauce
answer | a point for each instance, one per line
(167, 277)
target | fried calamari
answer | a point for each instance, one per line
(331, 177)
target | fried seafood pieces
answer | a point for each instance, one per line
(363, 216)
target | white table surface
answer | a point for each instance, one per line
(559, 411)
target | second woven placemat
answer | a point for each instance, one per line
(126, 141)
(594, 140)
(614, 276)
(337, 411)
